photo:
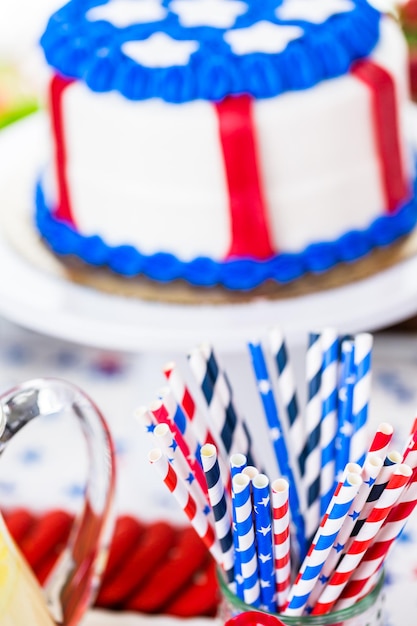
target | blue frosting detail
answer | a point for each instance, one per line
(91, 51)
(236, 274)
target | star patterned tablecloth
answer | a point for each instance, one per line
(43, 467)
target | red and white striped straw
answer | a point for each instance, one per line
(281, 534)
(344, 570)
(367, 572)
(185, 399)
(410, 452)
(187, 503)
(164, 411)
(391, 462)
(412, 435)
(165, 439)
(146, 418)
(381, 440)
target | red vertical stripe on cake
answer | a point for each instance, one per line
(249, 224)
(58, 85)
(386, 130)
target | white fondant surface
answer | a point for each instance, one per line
(160, 182)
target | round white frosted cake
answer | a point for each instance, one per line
(231, 143)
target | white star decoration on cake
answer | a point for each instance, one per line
(262, 37)
(122, 13)
(217, 13)
(160, 50)
(315, 11)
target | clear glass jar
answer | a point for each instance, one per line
(366, 612)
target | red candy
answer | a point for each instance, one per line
(152, 568)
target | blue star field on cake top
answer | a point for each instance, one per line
(183, 50)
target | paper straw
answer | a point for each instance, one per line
(345, 399)
(251, 471)
(185, 399)
(344, 570)
(165, 439)
(215, 388)
(146, 419)
(410, 452)
(282, 548)
(288, 394)
(311, 454)
(222, 385)
(221, 507)
(278, 440)
(182, 422)
(413, 434)
(246, 538)
(328, 430)
(165, 411)
(392, 460)
(367, 572)
(264, 541)
(361, 394)
(368, 474)
(381, 440)
(187, 503)
(237, 464)
(298, 599)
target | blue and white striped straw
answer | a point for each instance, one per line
(266, 393)
(322, 544)
(264, 541)
(368, 473)
(344, 410)
(328, 431)
(361, 396)
(287, 392)
(242, 504)
(311, 454)
(221, 507)
(238, 462)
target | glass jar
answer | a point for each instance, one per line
(366, 612)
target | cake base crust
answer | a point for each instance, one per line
(21, 233)
(179, 292)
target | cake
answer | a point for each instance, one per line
(230, 144)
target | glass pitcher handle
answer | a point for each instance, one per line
(72, 584)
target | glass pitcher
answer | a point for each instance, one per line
(72, 584)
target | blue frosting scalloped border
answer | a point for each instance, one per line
(91, 52)
(238, 274)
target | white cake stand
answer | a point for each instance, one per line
(37, 296)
